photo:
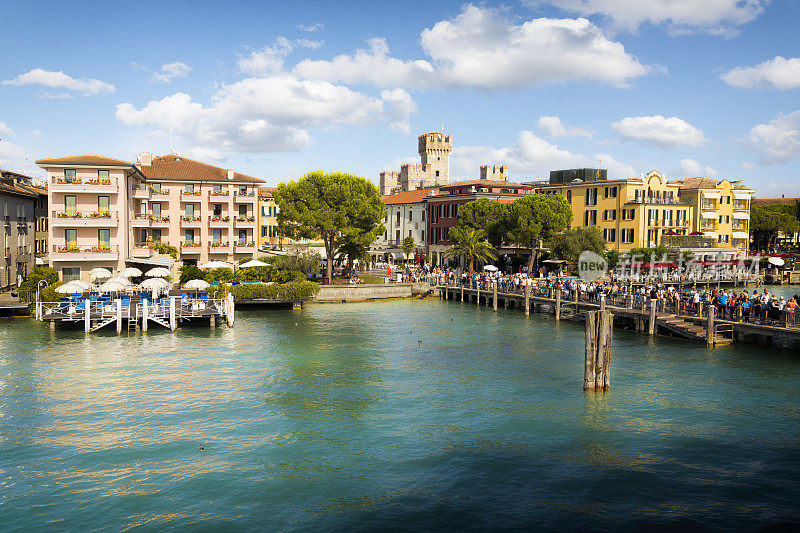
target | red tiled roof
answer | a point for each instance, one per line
(86, 159)
(266, 191)
(705, 183)
(408, 197)
(488, 183)
(174, 167)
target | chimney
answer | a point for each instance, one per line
(145, 159)
(230, 174)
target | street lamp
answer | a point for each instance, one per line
(39, 286)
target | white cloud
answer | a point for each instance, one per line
(5, 129)
(779, 73)
(553, 127)
(778, 141)
(170, 71)
(531, 157)
(311, 27)
(718, 17)
(268, 60)
(266, 114)
(483, 48)
(371, 66)
(308, 43)
(207, 155)
(693, 169)
(659, 131)
(400, 107)
(59, 80)
(747, 166)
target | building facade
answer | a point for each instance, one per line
(434, 169)
(18, 201)
(405, 217)
(111, 213)
(267, 219)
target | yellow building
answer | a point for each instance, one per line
(267, 218)
(631, 213)
(721, 210)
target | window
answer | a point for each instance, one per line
(102, 174)
(423, 236)
(264, 210)
(217, 210)
(71, 238)
(216, 188)
(590, 218)
(70, 203)
(397, 236)
(189, 187)
(143, 208)
(264, 230)
(610, 234)
(155, 208)
(409, 233)
(242, 237)
(243, 189)
(189, 235)
(102, 205)
(190, 210)
(156, 186)
(610, 192)
(143, 236)
(423, 215)
(627, 235)
(217, 236)
(397, 222)
(410, 215)
(242, 210)
(569, 197)
(628, 214)
(69, 175)
(610, 214)
(70, 274)
(156, 235)
(437, 173)
(591, 196)
(104, 239)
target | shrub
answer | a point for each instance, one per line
(288, 276)
(190, 272)
(295, 290)
(28, 287)
(219, 274)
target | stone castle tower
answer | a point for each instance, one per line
(494, 172)
(434, 152)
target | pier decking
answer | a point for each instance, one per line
(685, 320)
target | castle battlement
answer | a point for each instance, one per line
(433, 169)
(494, 172)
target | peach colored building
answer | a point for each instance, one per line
(113, 213)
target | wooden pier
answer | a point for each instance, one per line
(652, 317)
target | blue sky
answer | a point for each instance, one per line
(277, 89)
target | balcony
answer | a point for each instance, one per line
(141, 193)
(141, 250)
(219, 221)
(190, 197)
(159, 221)
(219, 195)
(741, 206)
(708, 206)
(77, 185)
(191, 247)
(140, 220)
(22, 222)
(708, 227)
(84, 253)
(656, 201)
(188, 221)
(85, 220)
(245, 247)
(244, 221)
(248, 197)
(23, 253)
(221, 247)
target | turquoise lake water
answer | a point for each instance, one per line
(400, 415)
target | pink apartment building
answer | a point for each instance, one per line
(112, 213)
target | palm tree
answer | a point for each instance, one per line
(471, 243)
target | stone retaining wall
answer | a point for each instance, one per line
(358, 293)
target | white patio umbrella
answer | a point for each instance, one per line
(68, 288)
(196, 284)
(99, 273)
(215, 264)
(154, 283)
(113, 285)
(777, 261)
(490, 268)
(253, 263)
(130, 272)
(80, 284)
(158, 272)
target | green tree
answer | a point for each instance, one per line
(28, 287)
(487, 215)
(569, 244)
(536, 217)
(471, 243)
(219, 274)
(408, 246)
(767, 221)
(335, 207)
(190, 272)
(353, 246)
(306, 261)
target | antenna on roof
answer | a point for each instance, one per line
(171, 145)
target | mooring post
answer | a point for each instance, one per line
(87, 316)
(710, 327)
(558, 304)
(230, 310)
(119, 316)
(591, 351)
(651, 326)
(597, 362)
(494, 295)
(173, 322)
(144, 316)
(52, 325)
(212, 322)
(478, 293)
(602, 301)
(527, 298)
(462, 293)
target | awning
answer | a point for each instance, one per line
(740, 235)
(711, 194)
(710, 234)
(741, 195)
(155, 261)
(709, 215)
(741, 216)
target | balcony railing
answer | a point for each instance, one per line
(656, 201)
(98, 248)
(79, 215)
(219, 245)
(191, 244)
(219, 218)
(708, 205)
(219, 193)
(740, 206)
(244, 218)
(80, 184)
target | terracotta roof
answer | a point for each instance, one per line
(174, 167)
(87, 159)
(487, 183)
(705, 183)
(266, 191)
(408, 197)
(773, 201)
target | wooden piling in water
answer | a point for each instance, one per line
(558, 305)
(144, 316)
(119, 316)
(710, 326)
(494, 295)
(462, 293)
(597, 360)
(527, 299)
(651, 325)
(87, 316)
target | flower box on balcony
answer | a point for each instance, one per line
(191, 193)
(65, 180)
(155, 218)
(218, 245)
(246, 219)
(191, 245)
(97, 214)
(187, 218)
(219, 193)
(249, 244)
(220, 219)
(99, 181)
(69, 215)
